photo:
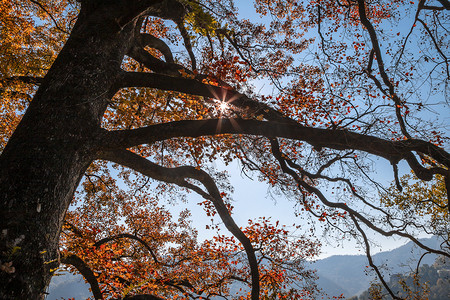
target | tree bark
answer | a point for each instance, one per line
(50, 150)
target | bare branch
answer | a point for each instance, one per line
(436, 46)
(187, 43)
(397, 181)
(313, 190)
(445, 4)
(384, 76)
(51, 16)
(369, 257)
(431, 7)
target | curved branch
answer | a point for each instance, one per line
(179, 176)
(149, 61)
(336, 179)
(50, 15)
(158, 44)
(129, 236)
(436, 45)
(87, 273)
(420, 260)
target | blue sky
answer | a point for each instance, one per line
(251, 200)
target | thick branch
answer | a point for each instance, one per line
(195, 87)
(149, 61)
(445, 4)
(334, 139)
(127, 11)
(160, 45)
(431, 7)
(187, 43)
(87, 273)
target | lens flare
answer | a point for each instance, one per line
(223, 106)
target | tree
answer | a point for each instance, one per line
(118, 91)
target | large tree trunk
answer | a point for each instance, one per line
(48, 153)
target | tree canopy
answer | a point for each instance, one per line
(108, 107)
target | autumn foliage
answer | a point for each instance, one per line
(132, 245)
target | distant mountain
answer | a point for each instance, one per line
(342, 274)
(435, 279)
(347, 273)
(330, 287)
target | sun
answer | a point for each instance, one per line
(223, 106)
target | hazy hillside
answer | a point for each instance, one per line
(435, 279)
(348, 271)
(342, 274)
